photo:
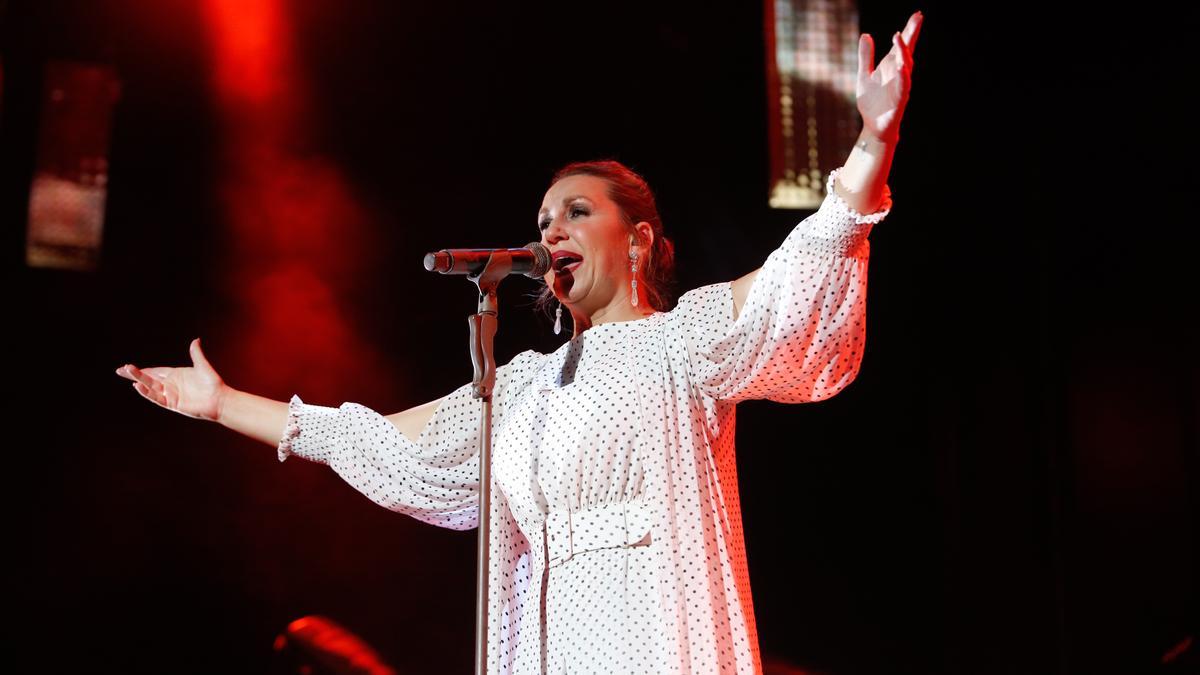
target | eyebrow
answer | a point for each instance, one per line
(565, 201)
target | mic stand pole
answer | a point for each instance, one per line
(483, 330)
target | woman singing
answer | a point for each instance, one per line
(616, 542)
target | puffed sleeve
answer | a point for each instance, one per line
(435, 479)
(799, 335)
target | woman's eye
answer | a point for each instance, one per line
(573, 212)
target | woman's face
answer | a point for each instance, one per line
(577, 217)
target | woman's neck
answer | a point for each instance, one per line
(620, 311)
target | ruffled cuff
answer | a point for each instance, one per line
(311, 431)
(839, 229)
(885, 206)
(292, 430)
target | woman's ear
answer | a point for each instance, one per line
(644, 237)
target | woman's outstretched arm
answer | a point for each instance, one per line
(258, 417)
(200, 393)
(263, 419)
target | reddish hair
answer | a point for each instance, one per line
(631, 194)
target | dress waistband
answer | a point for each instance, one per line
(570, 533)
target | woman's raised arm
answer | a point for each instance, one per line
(882, 94)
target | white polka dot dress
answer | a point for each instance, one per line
(616, 543)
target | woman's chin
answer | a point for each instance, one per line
(570, 291)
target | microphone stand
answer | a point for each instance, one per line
(483, 331)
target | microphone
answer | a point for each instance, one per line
(532, 261)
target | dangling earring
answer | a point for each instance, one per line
(558, 319)
(633, 268)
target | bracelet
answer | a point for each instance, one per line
(862, 142)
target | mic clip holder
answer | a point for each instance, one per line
(483, 324)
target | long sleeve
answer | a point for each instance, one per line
(435, 479)
(799, 335)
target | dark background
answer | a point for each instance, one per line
(1010, 486)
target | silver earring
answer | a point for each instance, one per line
(558, 319)
(633, 268)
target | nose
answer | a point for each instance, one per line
(554, 232)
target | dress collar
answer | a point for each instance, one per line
(554, 374)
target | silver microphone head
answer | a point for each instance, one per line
(541, 263)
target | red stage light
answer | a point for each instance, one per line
(297, 234)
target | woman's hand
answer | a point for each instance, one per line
(196, 392)
(882, 91)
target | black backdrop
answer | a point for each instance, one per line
(1010, 486)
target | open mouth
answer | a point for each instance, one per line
(566, 262)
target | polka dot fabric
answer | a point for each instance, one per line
(616, 542)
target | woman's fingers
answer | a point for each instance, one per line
(903, 43)
(898, 51)
(151, 384)
(156, 396)
(160, 373)
(131, 372)
(198, 358)
(912, 30)
(148, 381)
(866, 56)
(150, 378)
